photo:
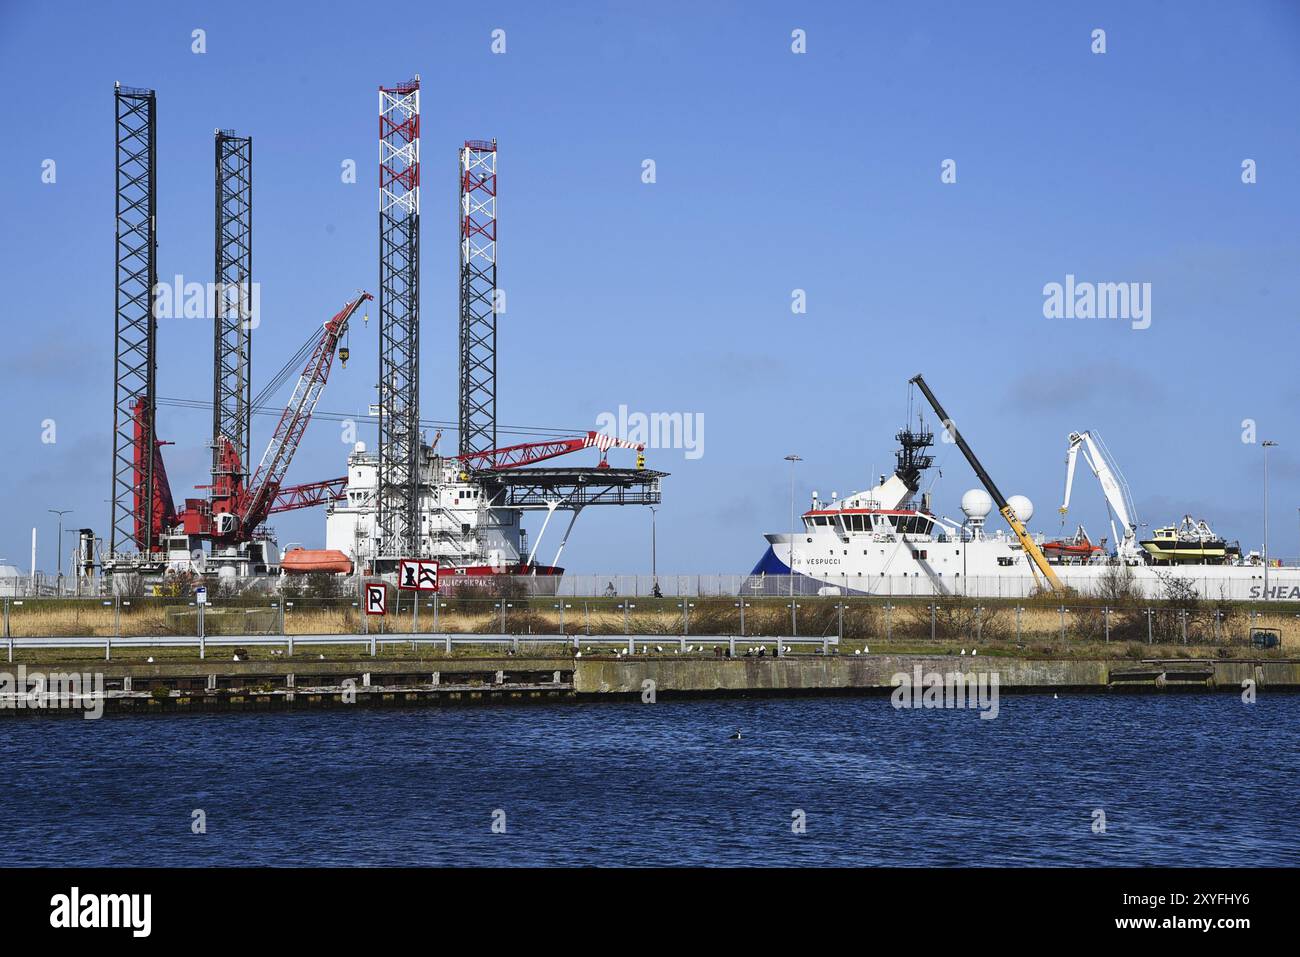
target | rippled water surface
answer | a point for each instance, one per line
(1182, 779)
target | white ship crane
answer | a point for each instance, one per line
(1113, 486)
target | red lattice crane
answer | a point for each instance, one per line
(516, 456)
(236, 509)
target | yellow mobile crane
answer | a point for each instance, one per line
(1028, 544)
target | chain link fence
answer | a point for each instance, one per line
(847, 618)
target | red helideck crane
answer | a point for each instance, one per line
(495, 460)
(516, 456)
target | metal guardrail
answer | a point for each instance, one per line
(633, 644)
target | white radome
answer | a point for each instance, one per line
(1023, 508)
(976, 503)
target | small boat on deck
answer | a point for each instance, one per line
(1076, 550)
(304, 561)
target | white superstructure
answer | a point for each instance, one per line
(458, 526)
(880, 542)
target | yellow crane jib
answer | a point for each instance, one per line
(1031, 547)
(1040, 565)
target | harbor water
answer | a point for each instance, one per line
(1179, 779)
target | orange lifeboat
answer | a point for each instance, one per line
(302, 561)
(1077, 550)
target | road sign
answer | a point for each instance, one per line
(376, 599)
(413, 575)
(201, 595)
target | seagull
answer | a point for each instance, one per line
(322, 657)
(866, 650)
(577, 654)
(963, 651)
(236, 658)
(1055, 697)
(659, 648)
(151, 659)
(973, 652)
(857, 651)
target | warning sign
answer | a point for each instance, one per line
(376, 599)
(413, 575)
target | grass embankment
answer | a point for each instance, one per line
(1039, 630)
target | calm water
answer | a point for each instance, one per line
(1182, 779)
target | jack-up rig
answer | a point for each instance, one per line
(409, 500)
(148, 535)
(405, 501)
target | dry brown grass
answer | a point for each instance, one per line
(1040, 622)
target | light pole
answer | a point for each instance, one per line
(654, 547)
(792, 459)
(1267, 444)
(59, 567)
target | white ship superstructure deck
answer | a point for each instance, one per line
(879, 542)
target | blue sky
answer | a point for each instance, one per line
(775, 172)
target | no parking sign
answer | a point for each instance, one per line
(376, 599)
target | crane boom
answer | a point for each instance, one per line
(264, 486)
(291, 497)
(1112, 486)
(515, 456)
(1028, 544)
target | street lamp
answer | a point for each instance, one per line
(1267, 444)
(654, 547)
(59, 567)
(792, 459)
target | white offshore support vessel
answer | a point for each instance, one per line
(886, 541)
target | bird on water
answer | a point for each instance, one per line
(736, 736)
